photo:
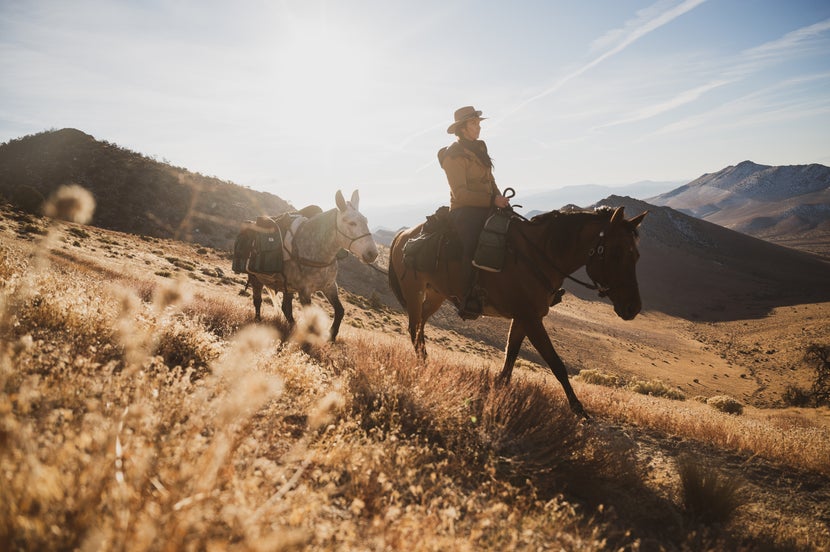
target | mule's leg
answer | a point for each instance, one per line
(288, 307)
(514, 342)
(339, 311)
(540, 339)
(256, 292)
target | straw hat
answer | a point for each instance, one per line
(462, 115)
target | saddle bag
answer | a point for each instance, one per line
(241, 252)
(421, 252)
(267, 253)
(492, 243)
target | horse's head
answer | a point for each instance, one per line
(353, 229)
(612, 262)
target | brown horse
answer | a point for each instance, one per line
(542, 252)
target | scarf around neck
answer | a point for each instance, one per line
(479, 148)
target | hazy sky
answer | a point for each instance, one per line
(300, 98)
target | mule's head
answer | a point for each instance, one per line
(612, 263)
(353, 229)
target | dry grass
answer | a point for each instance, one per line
(805, 447)
(145, 414)
(707, 495)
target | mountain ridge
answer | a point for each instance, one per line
(788, 204)
(133, 193)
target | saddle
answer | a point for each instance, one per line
(437, 239)
(261, 244)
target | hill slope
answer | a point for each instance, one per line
(133, 193)
(787, 204)
(140, 411)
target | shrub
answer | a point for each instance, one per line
(725, 403)
(596, 377)
(707, 496)
(819, 357)
(78, 232)
(657, 388)
(796, 396)
(180, 345)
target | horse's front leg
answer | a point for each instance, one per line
(540, 339)
(288, 307)
(333, 298)
(514, 342)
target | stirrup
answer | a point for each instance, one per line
(557, 297)
(470, 308)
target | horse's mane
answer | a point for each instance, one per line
(544, 218)
(575, 214)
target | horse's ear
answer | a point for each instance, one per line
(635, 222)
(618, 215)
(341, 202)
(355, 200)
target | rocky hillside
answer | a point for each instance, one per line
(695, 269)
(789, 205)
(133, 193)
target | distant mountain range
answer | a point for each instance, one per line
(789, 205)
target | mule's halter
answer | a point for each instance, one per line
(351, 239)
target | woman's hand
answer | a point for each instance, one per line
(501, 202)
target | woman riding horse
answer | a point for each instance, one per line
(473, 195)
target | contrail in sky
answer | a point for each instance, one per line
(631, 36)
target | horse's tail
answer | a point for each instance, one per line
(394, 282)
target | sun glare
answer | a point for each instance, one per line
(324, 78)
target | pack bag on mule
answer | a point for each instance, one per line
(492, 242)
(421, 252)
(266, 253)
(242, 249)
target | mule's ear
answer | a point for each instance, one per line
(355, 200)
(618, 215)
(635, 222)
(341, 202)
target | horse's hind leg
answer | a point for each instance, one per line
(432, 302)
(540, 339)
(514, 342)
(333, 298)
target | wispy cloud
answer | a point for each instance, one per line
(616, 41)
(794, 42)
(773, 103)
(685, 97)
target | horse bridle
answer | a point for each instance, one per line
(595, 252)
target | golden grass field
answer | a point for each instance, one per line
(141, 410)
